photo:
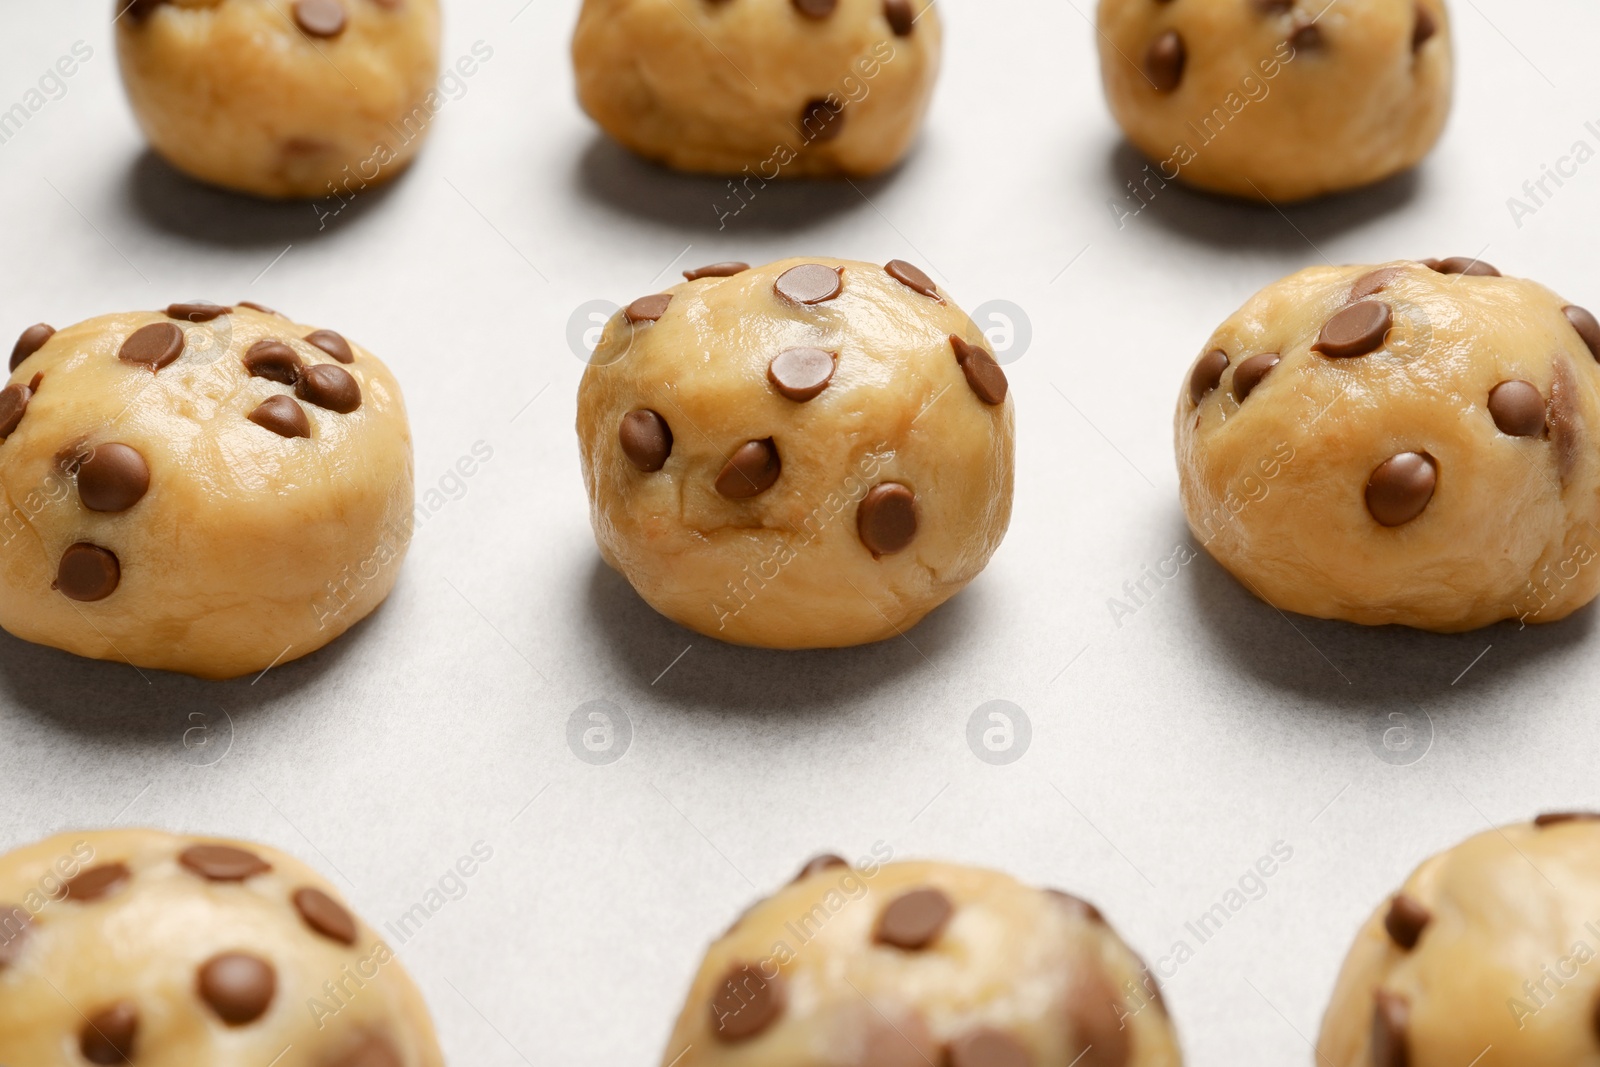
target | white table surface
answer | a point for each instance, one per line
(1168, 752)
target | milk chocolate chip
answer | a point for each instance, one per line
(13, 405)
(325, 915)
(1355, 331)
(1391, 1016)
(114, 477)
(1405, 921)
(32, 339)
(989, 1048)
(274, 361)
(746, 1003)
(809, 283)
(648, 308)
(1401, 487)
(222, 863)
(332, 343)
(328, 386)
(914, 919)
(984, 376)
(237, 986)
(911, 277)
(725, 269)
(1165, 60)
(646, 439)
(900, 16)
(801, 374)
(153, 346)
(1249, 374)
(199, 311)
(87, 572)
(282, 416)
(1517, 408)
(97, 882)
(108, 1035)
(1207, 374)
(817, 864)
(320, 18)
(751, 471)
(886, 521)
(1587, 326)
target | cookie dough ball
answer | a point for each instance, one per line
(282, 98)
(138, 947)
(764, 88)
(207, 489)
(1276, 99)
(910, 964)
(1404, 444)
(814, 453)
(1485, 956)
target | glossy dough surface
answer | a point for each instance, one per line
(1287, 489)
(1276, 99)
(113, 968)
(247, 547)
(282, 98)
(909, 964)
(1501, 971)
(785, 88)
(787, 566)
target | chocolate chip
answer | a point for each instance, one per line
(809, 283)
(108, 1035)
(373, 1051)
(1207, 374)
(751, 471)
(646, 439)
(1099, 1037)
(153, 346)
(222, 863)
(1401, 487)
(97, 882)
(14, 923)
(745, 1003)
(1248, 375)
(801, 374)
(821, 122)
(239, 987)
(817, 864)
(726, 269)
(901, 18)
(912, 277)
(35, 382)
(1476, 268)
(198, 311)
(282, 416)
(984, 375)
(1518, 408)
(1426, 27)
(1355, 331)
(1587, 326)
(1272, 7)
(1307, 37)
(1164, 61)
(1549, 818)
(1374, 281)
(253, 306)
(325, 915)
(913, 920)
(1565, 419)
(143, 9)
(274, 361)
(32, 339)
(320, 18)
(13, 405)
(1405, 921)
(1391, 1015)
(988, 1048)
(648, 308)
(1077, 905)
(816, 9)
(886, 521)
(332, 343)
(114, 477)
(329, 386)
(87, 572)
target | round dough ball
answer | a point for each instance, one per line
(1276, 99)
(814, 453)
(910, 964)
(282, 98)
(1404, 444)
(1485, 957)
(765, 88)
(139, 947)
(209, 490)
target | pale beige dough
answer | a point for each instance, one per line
(724, 86)
(135, 939)
(803, 979)
(1276, 487)
(787, 568)
(1503, 972)
(249, 548)
(1277, 99)
(236, 93)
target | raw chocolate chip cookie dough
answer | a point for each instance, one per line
(911, 964)
(139, 948)
(206, 489)
(1276, 99)
(814, 453)
(1486, 956)
(282, 98)
(764, 88)
(1412, 443)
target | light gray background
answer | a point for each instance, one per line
(1168, 753)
